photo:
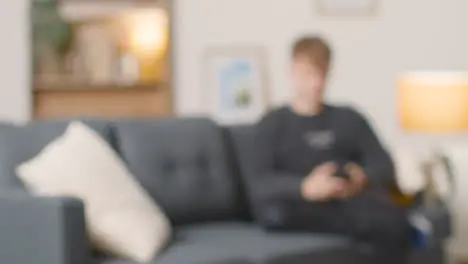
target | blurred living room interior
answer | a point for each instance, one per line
(174, 88)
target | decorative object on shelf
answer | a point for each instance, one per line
(98, 51)
(235, 84)
(128, 69)
(347, 8)
(434, 103)
(51, 36)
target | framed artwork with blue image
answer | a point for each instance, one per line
(235, 84)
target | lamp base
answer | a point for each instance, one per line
(438, 178)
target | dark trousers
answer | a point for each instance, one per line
(378, 227)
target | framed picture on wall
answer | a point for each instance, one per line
(235, 84)
(347, 8)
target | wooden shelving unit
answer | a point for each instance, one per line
(102, 103)
(79, 88)
(68, 99)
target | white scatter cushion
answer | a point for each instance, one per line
(122, 219)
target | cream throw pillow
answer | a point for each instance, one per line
(121, 217)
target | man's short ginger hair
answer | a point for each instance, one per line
(314, 49)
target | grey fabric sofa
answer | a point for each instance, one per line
(192, 167)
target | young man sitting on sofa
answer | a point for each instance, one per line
(320, 168)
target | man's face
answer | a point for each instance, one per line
(308, 80)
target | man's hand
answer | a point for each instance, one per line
(357, 180)
(321, 185)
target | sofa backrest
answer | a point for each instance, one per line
(5, 125)
(184, 163)
(190, 166)
(21, 143)
(241, 138)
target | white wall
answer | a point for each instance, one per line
(14, 61)
(370, 52)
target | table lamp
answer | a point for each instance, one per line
(433, 103)
(147, 39)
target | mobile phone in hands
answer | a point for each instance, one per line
(341, 170)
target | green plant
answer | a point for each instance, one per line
(49, 30)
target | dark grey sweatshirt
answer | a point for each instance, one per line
(289, 146)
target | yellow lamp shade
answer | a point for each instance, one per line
(433, 101)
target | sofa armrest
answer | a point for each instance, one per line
(42, 230)
(436, 219)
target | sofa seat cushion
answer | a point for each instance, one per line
(227, 242)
